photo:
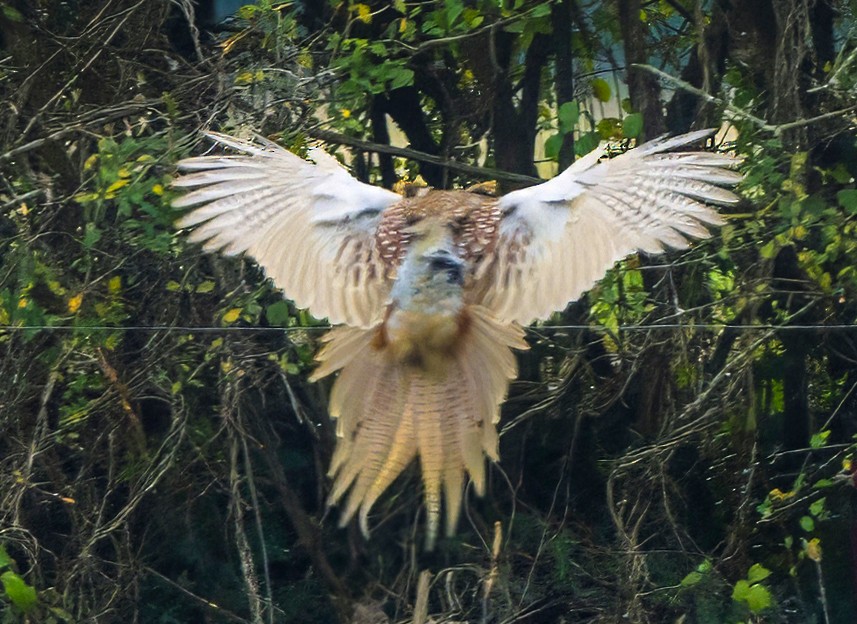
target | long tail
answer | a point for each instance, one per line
(389, 413)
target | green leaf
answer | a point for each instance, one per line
(569, 113)
(632, 125)
(601, 90)
(757, 572)
(807, 524)
(278, 313)
(5, 559)
(768, 250)
(819, 439)
(22, 595)
(402, 77)
(741, 590)
(847, 198)
(91, 235)
(586, 143)
(817, 507)
(205, 287)
(609, 128)
(248, 11)
(691, 579)
(552, 146)
(758, 598)
(12, 14)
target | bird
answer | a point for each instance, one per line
(429, 291)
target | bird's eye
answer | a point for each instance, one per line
(444, 263)
(450, 265)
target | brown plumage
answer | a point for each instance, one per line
(431, 289)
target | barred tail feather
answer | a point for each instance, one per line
(390, 412)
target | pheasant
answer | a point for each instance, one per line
(430, 291)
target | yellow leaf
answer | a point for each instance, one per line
(22, 303)
(305, 59)
(232, 315)
(364, 13)
(403, 25)
(124, 173)
(231, 41)
(114, 285)
(346, 113)
(225, 366)
(90, 162)
(83, 198)
(23, 209)
(846, 464)
(74, 303)
(112, 341)
(158, 189)
(778, 494)
(249, 77)
(110, 193)
(813, 549)
(68, 499)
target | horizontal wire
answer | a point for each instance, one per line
(535, 328)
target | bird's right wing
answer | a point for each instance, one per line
(558, 238)
(310, 226)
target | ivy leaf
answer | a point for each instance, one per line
(807, 524)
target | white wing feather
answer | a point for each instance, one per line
(558, 238)
(310, 226)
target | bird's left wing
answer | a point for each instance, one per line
(558, 238)
(311, 226)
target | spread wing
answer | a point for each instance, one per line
(558, 238)
(310, 226)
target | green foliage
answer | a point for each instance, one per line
(17, 592)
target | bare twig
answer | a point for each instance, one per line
(479, 172)
(763, 124)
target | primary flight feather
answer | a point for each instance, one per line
(431, 290)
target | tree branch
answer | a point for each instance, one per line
(478, 172)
